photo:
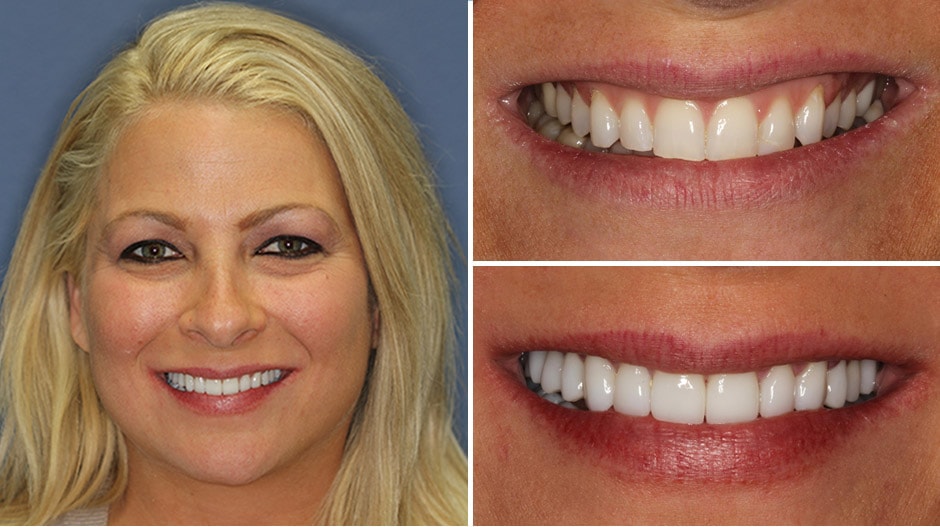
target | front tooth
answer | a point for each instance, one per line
(864, 98)
(831, 118)
(580, 115)
(731, 398)
(836, 386)
(535, 360)
(853, 381)
(548, 98)
(572, 378)
(776, 132)
(605, 125)
(230, 386)
(847, 111)
(809, 389)
(636, 131)
(875, 111)
(776, 391)
(632, 390)
(213, 386)
(678, 398)
(732, 130)
(551, 372)
(563, 104)
(598, 384)
(679, 131)
(809, 118)
(868, 371)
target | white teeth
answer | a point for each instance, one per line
(598, 385)
(864, 99)
(847, 111)
(809, 118)
(776, 132)
(605, 125)
(679, 131)
(831, 118)
(875, 111)
(563, 105)
(732, 130)
(548, 98)
(636, 130)
(189, 383)
(569, 138)
(580, 115)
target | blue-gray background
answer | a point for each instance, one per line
(51, 49)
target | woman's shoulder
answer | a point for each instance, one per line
(95, 516)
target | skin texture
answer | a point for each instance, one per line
(882, 472)
(886, 209)
(196, 175)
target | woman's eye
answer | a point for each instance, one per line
(151, 252)
(290, 247)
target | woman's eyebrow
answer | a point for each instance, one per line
(261, 216)
(170, 220)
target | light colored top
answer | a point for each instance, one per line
(96, 516)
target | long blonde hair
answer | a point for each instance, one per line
(60, 451)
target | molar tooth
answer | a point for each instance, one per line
(534, 113)
(809, 390)
(563, 104)
(572, 378)
(680, 131)
(551, 372)
(598, 384)
(605, 125)
(864, 98)
(836, 386)
(678, 398)
(809, 118)
(632, 390)
(868, 370)
(548, 98)
(776, 391)
(831, 118)
(580, 115)
(853, 381)
(535, 361)
(875, 111)
(847, 111)
(569, 138)
(550, 128)
(731, 398)
(776, 132)
(636, 131)
(732, 130)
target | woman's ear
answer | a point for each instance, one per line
(76, 320)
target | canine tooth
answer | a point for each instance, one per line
(847, 111)
(190, 383)
(632, 390)
(548, 98)
(875, 111)
(868, 370)
(831, 118)
(256, 379)
(853, 381)
(863, 101)
(776, 132)
(810, 387)
(534, 113)
(550, 129)
(732, 130)
(679, 131)
(199, 385)
(731, 398)
(580, 115)
(535, 360)
(776, 391)
(836, 386)
(678, 398)
(636, 130)
(572, 378)
(599, 379)
(605, 125)
(569, 138)
(244, 383)
(809, 118)
(214, 386)
(562, 105)
(551, 372)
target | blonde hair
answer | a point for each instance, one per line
(60, 451)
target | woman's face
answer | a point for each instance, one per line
(224, 302)
(696, 72)
(871, 461)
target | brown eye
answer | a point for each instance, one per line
(289, 247)
(151, 252)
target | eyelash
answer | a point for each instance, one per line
(308, 247)
(131, 253)
(138, 252)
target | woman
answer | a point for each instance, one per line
(631, 396)
(229, 299)
(714, 130)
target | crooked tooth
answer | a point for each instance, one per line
(853, 381)
(863, 101)
(868, 372)
(831, 118)
(605, 125)
(678, 398)
(776, 391)
(548, 98)
(836, 383)
(776, 132)
(732, 130)
(847, 111)
(580, 115)
(679, 131)
(809, 118)
(562, 105)
(875, 111)
(572, 378)
(551, 372)
(809, 389)
(636, 130)
(632, 390)
(731, 398)
(599, 377)
(535, 361)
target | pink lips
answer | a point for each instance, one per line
(226, 405)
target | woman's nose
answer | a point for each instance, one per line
(223, 311)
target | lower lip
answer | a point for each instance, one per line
(223, 405)
(628, 180)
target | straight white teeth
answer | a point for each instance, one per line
(777, 119)
(595, 384)
(219, 387)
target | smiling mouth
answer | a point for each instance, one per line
(184, 382)
(608, 119)
(595, 384)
